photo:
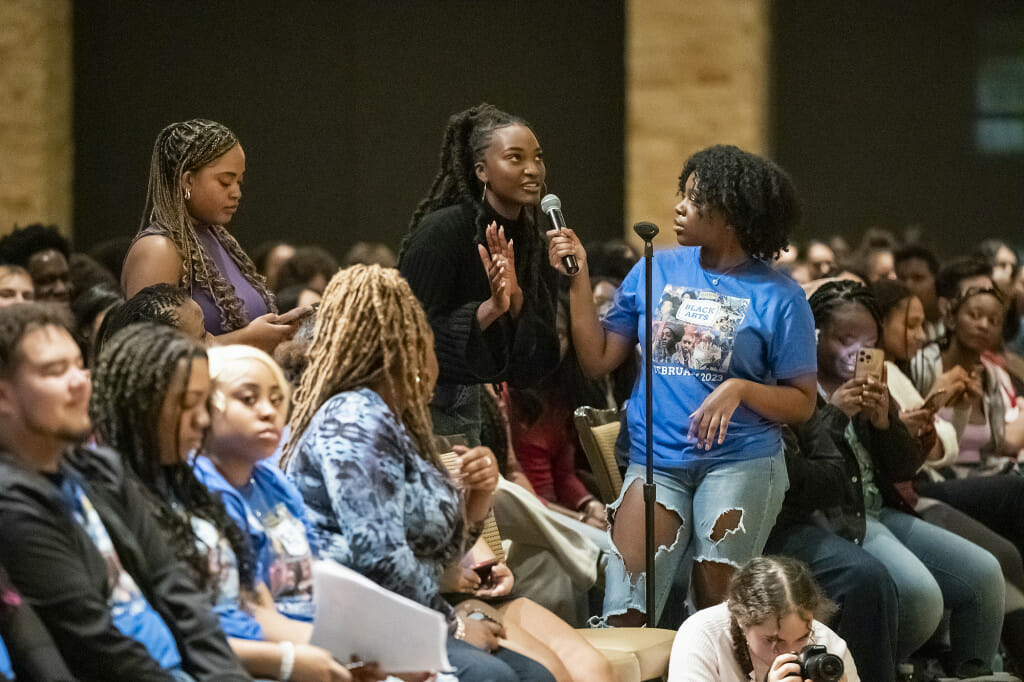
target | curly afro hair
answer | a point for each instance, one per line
(20, 245)
(756, 197)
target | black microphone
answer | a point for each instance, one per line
(645, 230)
(552, 205)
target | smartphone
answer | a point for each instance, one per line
(936, 401)
(294, 315)
(870, 362)
(483, 569)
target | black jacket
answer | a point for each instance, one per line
(824, 477)
(442, 266)
(57, 569)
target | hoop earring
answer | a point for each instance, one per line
(483, 196)
(188, 194)
(544, 187)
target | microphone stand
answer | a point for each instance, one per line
(647, 231)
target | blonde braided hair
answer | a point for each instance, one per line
(370, 327)
(189, 146)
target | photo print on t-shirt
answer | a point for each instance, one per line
(695, 331)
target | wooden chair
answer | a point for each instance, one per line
(635, 654)
(598, 430)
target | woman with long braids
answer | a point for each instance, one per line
(149, 401)
(474, 257)
(195, 185)
(774, 609)
(932, 568)
(749, 369)
(363, 456)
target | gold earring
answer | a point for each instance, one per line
(188, 194)
(484, 195)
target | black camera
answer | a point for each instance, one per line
(817, 664)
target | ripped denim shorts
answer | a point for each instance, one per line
(701, 495)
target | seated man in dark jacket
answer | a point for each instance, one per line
(75, 534)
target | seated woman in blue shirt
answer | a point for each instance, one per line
(149, 402)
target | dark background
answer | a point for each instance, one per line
(340, 106)
(873, 114)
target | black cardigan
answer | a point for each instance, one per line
(442, 265)
(57, 569)
(824, 475)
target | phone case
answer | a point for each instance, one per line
(869, 363)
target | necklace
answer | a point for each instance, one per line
(716, 276)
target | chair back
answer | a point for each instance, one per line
(598, 430)
(490, 533)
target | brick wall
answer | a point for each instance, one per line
(35, 112)
(696, 74)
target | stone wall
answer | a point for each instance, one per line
(696, 74)
(35, 114)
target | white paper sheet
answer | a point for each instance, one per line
(356, 616)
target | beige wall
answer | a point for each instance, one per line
(696, 75)
(35, 112)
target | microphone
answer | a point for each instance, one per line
(645, 230)
(552, 205)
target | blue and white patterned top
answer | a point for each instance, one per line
(374, 504)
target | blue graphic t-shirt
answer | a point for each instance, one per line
(225, 585)
(752, 323)
(270, 510)
(132, 614)
(5, 662)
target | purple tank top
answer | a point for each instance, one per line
(252, 303)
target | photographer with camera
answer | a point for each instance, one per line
(769, 629)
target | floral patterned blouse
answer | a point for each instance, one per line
(374, 504)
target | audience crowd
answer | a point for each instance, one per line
(186, 429)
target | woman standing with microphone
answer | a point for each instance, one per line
(719, 467)
(474, 257)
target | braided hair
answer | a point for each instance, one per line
(836, 293)
(467, 137)
(766, 588)
(369, 327)
(130, 384)
(179, 148)
(756, 197)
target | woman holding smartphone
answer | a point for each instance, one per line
(195, 186)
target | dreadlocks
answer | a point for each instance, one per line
(466, 138)
(369, 327)
(130, 384)
(188, 146)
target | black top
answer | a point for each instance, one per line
(442, 265)
(824, 476)
(57, 569)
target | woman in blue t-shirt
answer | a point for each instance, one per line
(149, 402)
(249, 405)
(740, 362)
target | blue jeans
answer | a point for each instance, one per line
(935, 569)
(860, 586)
(699, 496)
(502, 665)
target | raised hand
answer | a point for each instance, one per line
(497, 245)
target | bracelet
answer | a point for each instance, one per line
(460, 628)
(287, 661)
